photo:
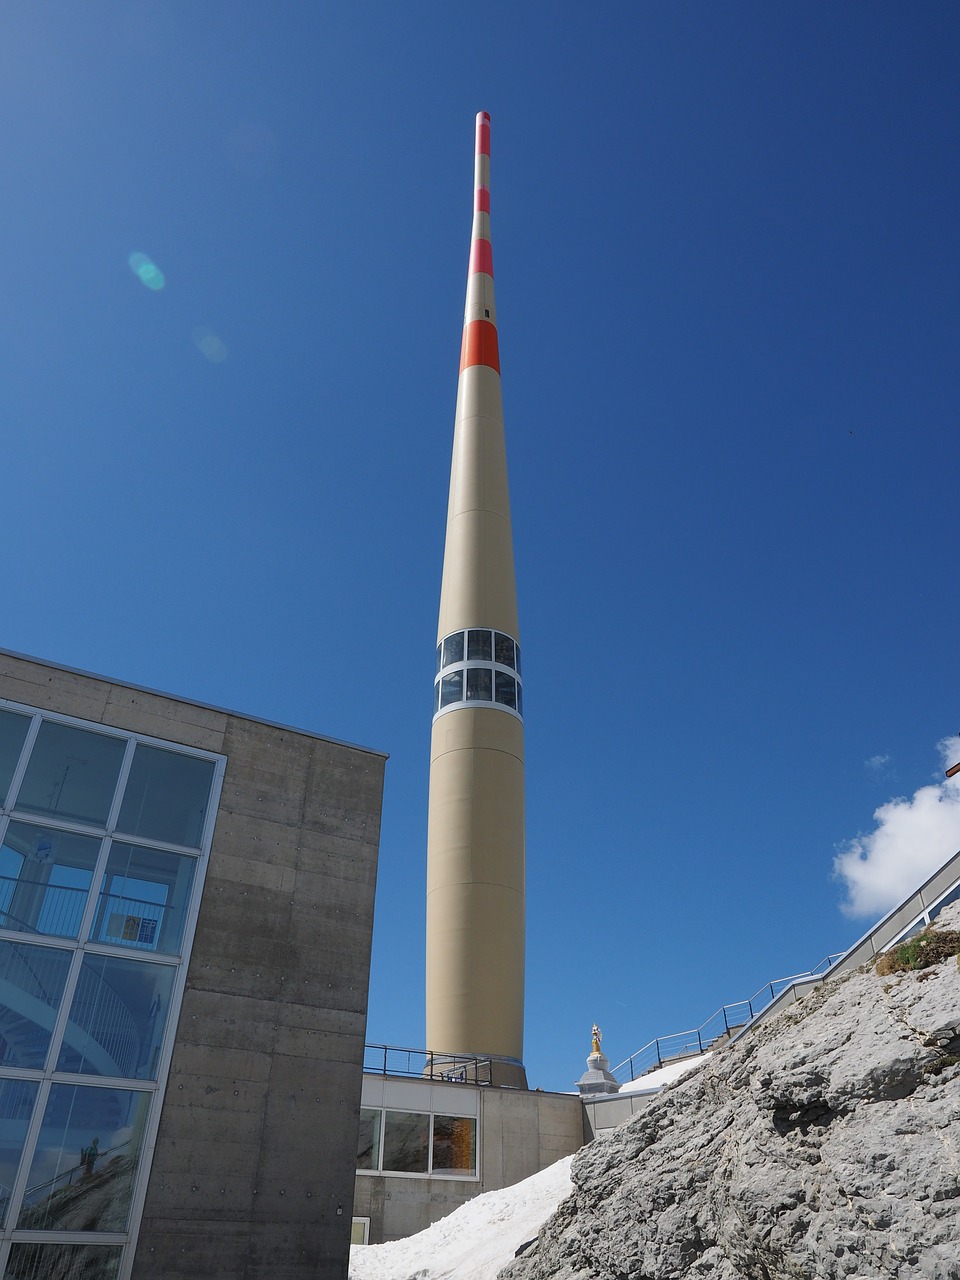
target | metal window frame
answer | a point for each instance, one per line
(81, 945)
(380, 1172)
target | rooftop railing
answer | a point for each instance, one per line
(391, 1060)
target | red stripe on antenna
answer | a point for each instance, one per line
(483, 136)
(481, 257)
(480, 345)
(482, 200)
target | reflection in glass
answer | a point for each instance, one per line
(454, 1145)
(44, 878)
(86, 1156)
(517, 651)
(436, 697)
(479, 647)
(13, 731)
(945, 902)
(451, 689)
(504, 649)
(406, 1142)
(368, 1139)
(63, 1262)
(143, 899)
(506, 689)
(439, 651)
(166, 796)
(453, 648)
(479, 684)
(16, 1105)
(519, 698)
(72, 773)
(117, 1018)
(31, 984)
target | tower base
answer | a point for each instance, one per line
(502, 1073)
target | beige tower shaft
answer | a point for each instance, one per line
(475, 838)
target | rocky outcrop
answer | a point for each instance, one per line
(822, 1145)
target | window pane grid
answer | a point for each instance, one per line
(478, 666)
(417, 1143)
(91, 973)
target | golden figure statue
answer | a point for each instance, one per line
(596, 1036)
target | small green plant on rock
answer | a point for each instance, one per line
(924, 949)
(940, 1064)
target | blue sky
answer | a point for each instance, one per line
(727, 268)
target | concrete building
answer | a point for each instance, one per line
(475, 828)
(429, 1145)
(186, 905)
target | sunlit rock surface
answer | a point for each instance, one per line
(824, 1144)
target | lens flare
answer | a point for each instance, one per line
(210, 346)
(146, 271)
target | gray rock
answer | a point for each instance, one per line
(822, 1145)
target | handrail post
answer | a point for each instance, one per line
(699, 1041)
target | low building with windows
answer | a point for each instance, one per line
(435, 1133)
(186, 907)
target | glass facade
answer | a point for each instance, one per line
(417, 1142)
(103, 843)
(477, 667)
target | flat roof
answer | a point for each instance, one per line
(193, 702)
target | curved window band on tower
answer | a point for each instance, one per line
(478, 665)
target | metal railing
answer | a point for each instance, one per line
(33, 1196)
(55, 908)
(728, 1020)
(391, 1060)
(58, 910)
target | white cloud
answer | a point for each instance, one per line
(913, 837)
(877, 762)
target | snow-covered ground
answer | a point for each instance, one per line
(474, 1241)
(664, 1075)
(480, 1237)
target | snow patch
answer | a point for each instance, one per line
(475, 1241)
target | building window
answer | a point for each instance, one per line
(39, 1261)
(72, 774)
(406, 1142)
(166, 796)
(89, 1138)
(417, 1143)
(479, 646)
(13, 734)
(475, 667)
(454, 1148)
(104, 838)
(368, 1139)
(360, 1231)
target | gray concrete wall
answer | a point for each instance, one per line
(602, 1115)
(520, 1134)
(256, 1152)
